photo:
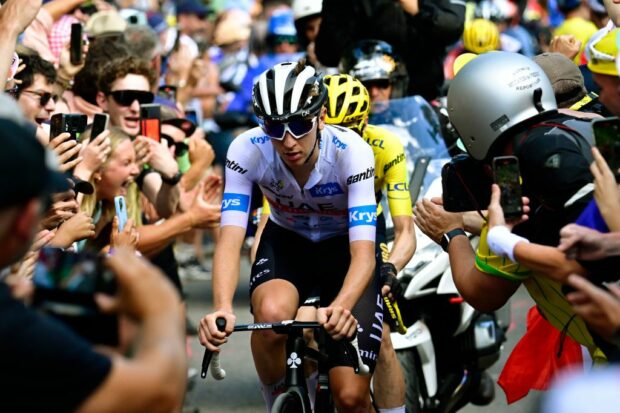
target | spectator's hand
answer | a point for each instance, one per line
(16, 15)
(66, 69)
(162, 159)
(201, 213)
(76, 228)
(94, 155)
(582, 243)
(337, 321)
(25, 268)
(143, 291)
(67, 151)
(179, 65)
(606, 191)
(64, 206)
(600, 309)
(200, 151)
(197, 71)
(496, 213)
(410, 6)
(213, 187)
(433, 220)
(127, 238)
(143, 150)
(566, 44)
(208, 333)
(187, 197)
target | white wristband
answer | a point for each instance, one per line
(502, 242)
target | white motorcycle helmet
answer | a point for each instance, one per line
(306, 8)
(494, 92)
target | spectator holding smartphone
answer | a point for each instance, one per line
(154, 380)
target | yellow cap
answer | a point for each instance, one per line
(461, 61)
(602, 54)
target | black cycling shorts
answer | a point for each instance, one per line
(319, 266)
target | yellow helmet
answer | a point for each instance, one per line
(602, 53)
(480, 36)
(348, 101)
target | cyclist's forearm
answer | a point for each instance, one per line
(404, 241)
(226, 266)
(360, 273)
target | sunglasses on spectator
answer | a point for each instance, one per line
(179, 147)
(298, 128)
(278, 40)
(380, 83)
(127, 97)
(44, 97)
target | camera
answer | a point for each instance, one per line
(466, 186)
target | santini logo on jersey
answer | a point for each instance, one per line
(235, 202)
(368, 173)
(328, 189)
(234, 166)
(363, 215)
(259, 140)
(398, 159)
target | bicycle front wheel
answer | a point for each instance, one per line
(290, 402)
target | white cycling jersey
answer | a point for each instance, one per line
(338, 196)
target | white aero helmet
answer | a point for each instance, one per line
(494, 92)
(305, 8)
(288, 90)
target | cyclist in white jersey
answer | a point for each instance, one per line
(319, 182)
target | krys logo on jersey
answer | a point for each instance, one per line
(363, 215)
(235, 202)
(328, 189)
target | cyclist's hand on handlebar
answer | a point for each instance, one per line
(210, 336)
(337, 321)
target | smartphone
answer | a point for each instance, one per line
(100, 123)
(121, 211)
(76, 44)
(150, 121)
(65, 287)
(168, 92)
(192, 116)
(74, 123)
(507, 176)
(607, 138)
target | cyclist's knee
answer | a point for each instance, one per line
(350, 399)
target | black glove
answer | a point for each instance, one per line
(388, 277)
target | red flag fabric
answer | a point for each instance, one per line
(536, 359)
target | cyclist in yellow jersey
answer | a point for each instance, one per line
(348, 105)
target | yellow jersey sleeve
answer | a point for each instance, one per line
(488, 262)
(390, 169)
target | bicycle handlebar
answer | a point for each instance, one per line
(282, 327)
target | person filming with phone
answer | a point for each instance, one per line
(36, 350)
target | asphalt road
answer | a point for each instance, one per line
(240, 391)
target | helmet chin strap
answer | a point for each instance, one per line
(316, 141)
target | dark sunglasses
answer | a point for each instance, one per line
(180, 148)
(44, 98)
(127, 97)
(381, 83)
(298, 128)
(278, 40)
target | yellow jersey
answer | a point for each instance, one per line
(546, 292)
(390, 169)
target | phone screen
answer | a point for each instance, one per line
(507, 177)
(150, 122)
(192, 116)
(65, 285)
(168, 92)
(121, 211)
(76, 44)
(100, 123)
(607, 137)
